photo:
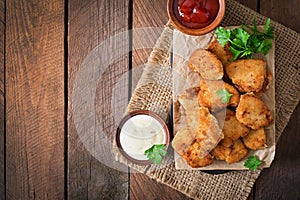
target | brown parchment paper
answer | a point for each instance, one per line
(184, 78)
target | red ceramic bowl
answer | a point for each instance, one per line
(195, 31)
(127, 121)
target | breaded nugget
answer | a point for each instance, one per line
(206, 64)
(248, 75)
(209, 98)
(192, 157)
(206, 128)
(188, 99)
(238, 152)
(209, 134)
(268, 81)
(183, 139)
(220, 152)
(222, 53)
(256, 139)
(232, 129)
(252, 112)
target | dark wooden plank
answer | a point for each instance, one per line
(34, 99)
(149, 18)
(253, 4)
(142, 187)
(90, 24)
(2, 111)
(284, 12)
(148, 14)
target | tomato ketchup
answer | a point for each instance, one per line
(196, 13)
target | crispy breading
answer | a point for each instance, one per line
(183, 139)
(188, 99)
(220, 152)
(222, 53)
(206, 64)
(209, 134)
(232, 129)
(202, 133)
(252, 112)
(239, 151)
(256, 139)
(248, 75)
(267, 82)
(192, 157)
(209, 98)
(220, 116)
(206, 128)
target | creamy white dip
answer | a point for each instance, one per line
(139, 133)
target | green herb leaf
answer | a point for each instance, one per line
(265, 47)
(243, 36)
(156, 153)
(254, 23)
(267, 26)
(253, 163)
(224, 95)
(254, 41)
(236, 53)
(247, 40)
(223, 35)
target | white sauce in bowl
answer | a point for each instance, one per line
(139, 133)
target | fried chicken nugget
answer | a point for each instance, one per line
(206, 129)
(188, 99)
(209, 98)
(208, 134)
(239, 151)
(193, 159)
(248, 75)
(221, 152)
(232, 129)
(252, 112)
(183, 139)
(206, 64)
(256, 139)
(222, 53)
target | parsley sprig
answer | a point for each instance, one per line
(224, 95)
(156, 153)
(246, 40)
(253, 163)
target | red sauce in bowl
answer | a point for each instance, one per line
(196, 13)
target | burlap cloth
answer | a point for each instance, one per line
(154, 92)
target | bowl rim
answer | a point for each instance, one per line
(195, 31)
(125, 119)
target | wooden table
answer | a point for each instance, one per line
(42, 45)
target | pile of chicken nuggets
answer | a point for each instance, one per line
(214, 129)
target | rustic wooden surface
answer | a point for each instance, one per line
(2, 94)
(34, 68)
(41, 48)
(90, 23)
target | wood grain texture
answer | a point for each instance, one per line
(150, 17)
(34, 99)
(284, 12)
(2, 93)
(142, 187)
(253, 4)
(148, 14)
(90, 24)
